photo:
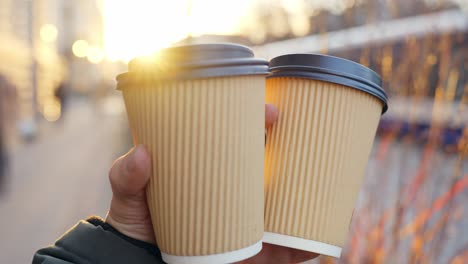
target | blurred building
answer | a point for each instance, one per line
(29, 55)
(36, 53)
(16, 52)
(84, 46)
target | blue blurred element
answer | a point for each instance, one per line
(419, 132)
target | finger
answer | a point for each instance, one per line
(271, 115)
(130, 173)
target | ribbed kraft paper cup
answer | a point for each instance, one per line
(316, 153)
(205, 135)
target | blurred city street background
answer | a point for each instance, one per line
(62, 123)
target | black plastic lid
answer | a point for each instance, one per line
(329, 69)
(193, 62)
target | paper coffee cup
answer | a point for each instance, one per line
(200, 111)
(317, 152)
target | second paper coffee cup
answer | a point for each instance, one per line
(199, 109)
(316, 153)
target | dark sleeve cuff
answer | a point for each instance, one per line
(94, 241)
(152, 249)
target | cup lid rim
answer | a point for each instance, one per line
(198, 60)
(329, 68)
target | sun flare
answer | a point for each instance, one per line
(141, 27)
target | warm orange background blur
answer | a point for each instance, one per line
(62, 123)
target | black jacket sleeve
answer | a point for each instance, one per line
(96, 242)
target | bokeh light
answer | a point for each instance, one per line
(80, 48)
(48, 33)
(95, 55)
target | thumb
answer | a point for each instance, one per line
(130, 173)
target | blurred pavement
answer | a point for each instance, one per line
(60, 178)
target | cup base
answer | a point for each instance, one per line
(228, 257)
(302, 244)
